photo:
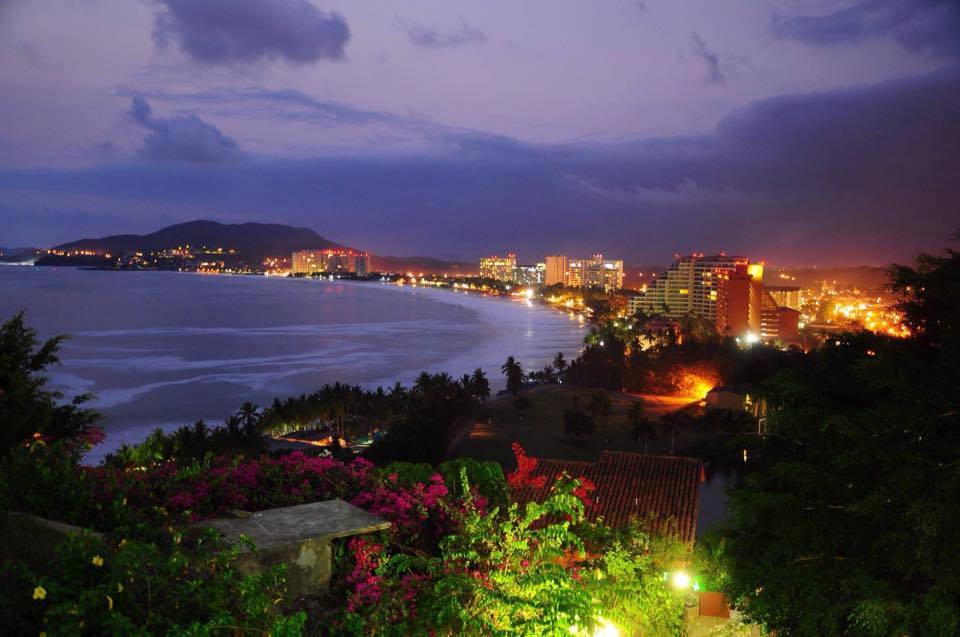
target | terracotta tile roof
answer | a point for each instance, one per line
(662, 489)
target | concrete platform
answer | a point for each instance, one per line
(300, 537)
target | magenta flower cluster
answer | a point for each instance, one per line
(420, 513)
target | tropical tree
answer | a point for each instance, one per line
(672, 424)
(398, 397)
(560, 364)
(548, 374)
(466, 382)
(931, 299)
(481, 386)
(599, 406)
(191, 442)
(697, 327)
(847, 522)
(577, 422)
(26, 408)
(514, 373)
(641, 428)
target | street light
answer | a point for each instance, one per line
(680, 580)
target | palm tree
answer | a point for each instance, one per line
(640, 426)
(233, 425)
(398, 398)
(247, 412)
(481, 386)
(560, 363)
(672, 423)
(599, 406)
(514, 373)
(547, 373)
(191, 442)
(424, 383)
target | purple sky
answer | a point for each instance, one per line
(800, 132)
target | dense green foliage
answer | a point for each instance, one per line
(186, 585)
(26, 408)
(531, 571)
(848, 522)
(486, 478)
(577, 422)
(651, 354)
(242, 433)
(427, 418)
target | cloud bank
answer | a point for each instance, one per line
(188, 139)
(931, 26)
(845, 176)
(243, 31)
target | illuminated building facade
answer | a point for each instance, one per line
(529, 274)
(788, 325)
(689, 286)
(747, 309)
(786, 295)
(499, 268)
(315, 261)
(735, 290)
(595, 272)
(556, 267)
(727, 291)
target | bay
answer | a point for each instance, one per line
(166, 349)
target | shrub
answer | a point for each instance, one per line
(185, 586)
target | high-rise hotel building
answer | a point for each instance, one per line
(529, 274)
(556, 270)
(727, 291)
(595, 272)
(315, 261)
(499, 268)
(689, 286)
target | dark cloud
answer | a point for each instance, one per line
(918, 25)
(710, 59)
(292, 105)
(434, 38)
(232, 31)
(180, 138)
(855, 175)
(308, 108)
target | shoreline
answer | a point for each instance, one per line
(172, 376)
(576, 311)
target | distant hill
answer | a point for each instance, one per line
(253, 241)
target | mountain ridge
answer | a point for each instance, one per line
(251, 240)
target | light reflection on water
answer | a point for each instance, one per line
(163, 348)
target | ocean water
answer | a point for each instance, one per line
(165, 348)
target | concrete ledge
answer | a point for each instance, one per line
(300, 537)
(52, 525)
